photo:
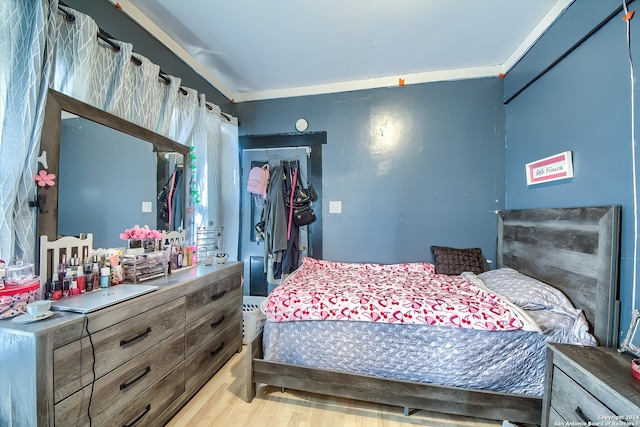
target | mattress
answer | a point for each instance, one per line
(510, 361)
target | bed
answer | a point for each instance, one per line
(575, 250)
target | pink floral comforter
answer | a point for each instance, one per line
(395, 293)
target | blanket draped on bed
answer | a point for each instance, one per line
(397, 293)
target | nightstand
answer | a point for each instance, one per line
(590, 386)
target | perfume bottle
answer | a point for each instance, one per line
(62, 269)
(95, 273)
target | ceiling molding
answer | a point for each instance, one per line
(537, 32)
(346, 86)
(353, 85)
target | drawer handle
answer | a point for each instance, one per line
(582, 416)
(137, 337)
(218, 323)
(217, 350)
(134, 422)
(218, 296)
(136, 379)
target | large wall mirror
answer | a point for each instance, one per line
(109, 173)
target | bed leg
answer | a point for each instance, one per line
(408, 411)
(254, 350)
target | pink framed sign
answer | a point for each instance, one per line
(552, 168)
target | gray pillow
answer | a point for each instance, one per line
(525, 291)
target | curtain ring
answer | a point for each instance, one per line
(137, 61)
(69, 17)
(165, 79)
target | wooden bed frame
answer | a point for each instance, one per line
(574, 249)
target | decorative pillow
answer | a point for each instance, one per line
(454, 261)
(524, 291)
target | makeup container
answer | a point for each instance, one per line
(80, 280)
(105, 273)
(62, 269)
(48, 289)
(56, 288)
(95, 274)
(73, 288)
(189, 255)
(66, 285)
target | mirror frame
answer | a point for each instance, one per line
(627, 345)
(47, 215)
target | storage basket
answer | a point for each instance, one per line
(250, 324)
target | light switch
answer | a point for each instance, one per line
(335, 206)
(146, 206)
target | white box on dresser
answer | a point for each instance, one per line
(152, 354)
(589, 386)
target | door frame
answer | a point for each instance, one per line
(314, 140)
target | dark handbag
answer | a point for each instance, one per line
(312, 193)
(304, 216)
(307, 192)
(302, 196)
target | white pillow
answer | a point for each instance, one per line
(525, 291)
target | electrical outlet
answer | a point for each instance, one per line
(146, 206)
(335, 206)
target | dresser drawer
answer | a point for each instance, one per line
(554, 418)
(149, 405)
(574, 403)
(122, 385)
(204, 301)
(213, 354)
(213, 323)
(113, 346)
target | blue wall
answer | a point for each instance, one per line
(583, 105)
(414, 166)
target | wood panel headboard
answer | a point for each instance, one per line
(576, 250)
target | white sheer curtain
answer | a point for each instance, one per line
(207, 179)
(27, 38)
(77, 51)
(57, 47)
(230, 188)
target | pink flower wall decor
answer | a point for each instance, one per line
(44, 178)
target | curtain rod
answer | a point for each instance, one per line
(107, 38)
(565, 54)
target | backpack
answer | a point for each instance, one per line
(258, 180)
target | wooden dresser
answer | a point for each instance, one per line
(589, 386)
(152, 354)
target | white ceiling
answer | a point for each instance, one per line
(258, 49)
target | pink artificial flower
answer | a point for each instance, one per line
(140, 233)
(44, 178)
(155, 234)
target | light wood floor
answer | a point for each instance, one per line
(220, 403)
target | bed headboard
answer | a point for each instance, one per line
(576, 250)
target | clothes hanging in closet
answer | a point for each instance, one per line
(171, 200)
(282, 255)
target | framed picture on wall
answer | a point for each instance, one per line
(552, 168)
